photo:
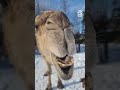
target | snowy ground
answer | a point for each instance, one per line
(72, 84)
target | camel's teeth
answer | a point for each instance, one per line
(65, 65)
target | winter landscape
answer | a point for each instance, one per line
(10, 80)
(72, 84)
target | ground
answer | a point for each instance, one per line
(10, 80)
(106, 76)
(72, 84)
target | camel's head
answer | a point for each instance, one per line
(59, 39)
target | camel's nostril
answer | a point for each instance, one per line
(63, 58)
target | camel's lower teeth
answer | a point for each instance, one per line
(65, 65)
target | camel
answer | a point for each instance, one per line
(56, 43)
(18, 36)
(15, 21)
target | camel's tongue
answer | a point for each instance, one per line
(67, 59)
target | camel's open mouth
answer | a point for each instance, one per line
(64, 66)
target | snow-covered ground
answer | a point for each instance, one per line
(72, 84)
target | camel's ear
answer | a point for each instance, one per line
(37, 21)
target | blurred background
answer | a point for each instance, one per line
(9, 79)
(105, 15)
(4, 63)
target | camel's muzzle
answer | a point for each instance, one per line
(64, 66)
(65, 63)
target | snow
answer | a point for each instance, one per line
(72, 84)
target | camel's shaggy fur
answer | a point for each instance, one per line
(55, 38)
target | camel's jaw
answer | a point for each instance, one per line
(64, 70)
(65, 67)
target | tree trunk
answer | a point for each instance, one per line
(78, 48)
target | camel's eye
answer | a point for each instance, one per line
(48, 22)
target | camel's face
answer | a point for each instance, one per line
(55, 40)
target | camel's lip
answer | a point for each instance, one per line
(62, 64)
(65, 67)
(64, 70)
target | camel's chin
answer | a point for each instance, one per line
(65, 67)
(64, 70)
